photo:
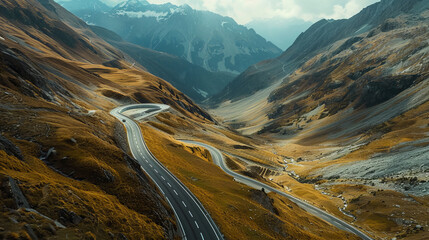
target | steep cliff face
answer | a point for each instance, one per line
(203, 38)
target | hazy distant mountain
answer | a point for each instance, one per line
(280, 31)
(84, 5)
(204, 38)
(195, 81)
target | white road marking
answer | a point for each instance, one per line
(129, 124)
(184, 203)
(163, 178)
(190, 214)
(156, 171)
(169, 184)
(175, 192)
(147, 161)
(196, 224)
(151, 165)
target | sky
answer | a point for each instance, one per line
(245, 11)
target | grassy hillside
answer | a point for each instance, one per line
(65, 170)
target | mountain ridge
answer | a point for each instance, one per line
(196, 82)
(310, 43)
(203, 38)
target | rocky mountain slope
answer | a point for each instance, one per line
(339, 88)
(356, 64)
(195, 81)
(203, 38)
(319, 37)
(349, 101)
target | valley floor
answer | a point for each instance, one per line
(378, 180)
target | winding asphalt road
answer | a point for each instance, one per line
(193, 220)
(219, 160)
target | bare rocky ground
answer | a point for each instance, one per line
(405, 168)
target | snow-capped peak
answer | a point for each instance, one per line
(132, 4)
(143, 9)
(139, 14)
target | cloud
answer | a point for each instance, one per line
(349, 9)
(244, 11)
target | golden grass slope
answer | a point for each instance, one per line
(88, 175)
(55, 93)
(240, 212)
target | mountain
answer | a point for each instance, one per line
(312, 42)
(209, 40)
(354, 64)
(280, 31)
(196, 82)
(346, 106)
(84, 6)
(65, 170)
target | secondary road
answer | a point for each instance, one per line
(219, 160)
(193, 220)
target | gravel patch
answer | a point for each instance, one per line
(404, 161)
